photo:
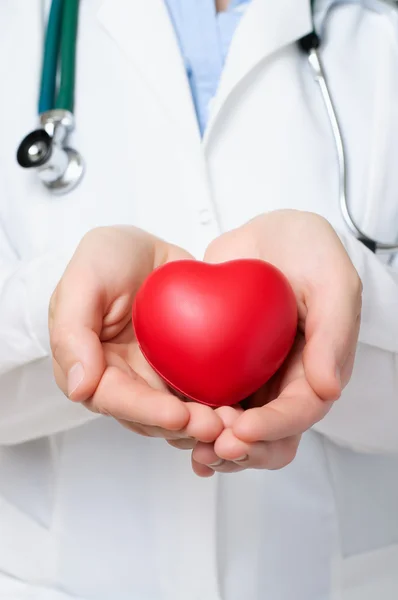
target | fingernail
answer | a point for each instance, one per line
(243, 458)
(216, 464)
(75, 378)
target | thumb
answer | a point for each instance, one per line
(75, 322)
(331, 331)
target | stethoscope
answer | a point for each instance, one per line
(61, 168)
(46, 149)
(310, 45)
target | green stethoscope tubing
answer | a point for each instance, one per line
(59, 57)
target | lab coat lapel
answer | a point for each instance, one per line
(144, 32)
(267, 26)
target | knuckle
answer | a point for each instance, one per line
(184, 444)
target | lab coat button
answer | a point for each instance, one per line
(205, 217)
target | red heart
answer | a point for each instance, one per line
(215, 333)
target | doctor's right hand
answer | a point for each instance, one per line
(96, 357)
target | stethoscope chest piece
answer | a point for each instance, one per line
(59, 167)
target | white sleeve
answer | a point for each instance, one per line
(366, 417)
(31, 405)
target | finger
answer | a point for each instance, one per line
(75, 344)
(229, 448)
(297, 409)
(135, 428)
(258, 455)
(127, 398)
(157, 432)
(205, 454)
(203, 424)
(201, 470)
(180, 438)
(222, 467)
(228, 414)
(110, 359)
(175, 438)
(183, 444)
(75, 323)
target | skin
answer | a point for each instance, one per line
(97, 336)
(222, 5)
(328, 292)
(109, 267)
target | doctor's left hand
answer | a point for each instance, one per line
(328, 290)
(96, 357)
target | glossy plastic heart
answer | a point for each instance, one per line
(215, 333)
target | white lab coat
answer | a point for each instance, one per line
(93, 512)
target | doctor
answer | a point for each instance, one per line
(88, 508)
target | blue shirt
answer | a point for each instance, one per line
(204, 37)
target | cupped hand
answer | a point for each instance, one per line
(96, 357)
(328, 291)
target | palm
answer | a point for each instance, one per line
(122, 350)
(123, 357)
(288, 376)
(288, 404)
